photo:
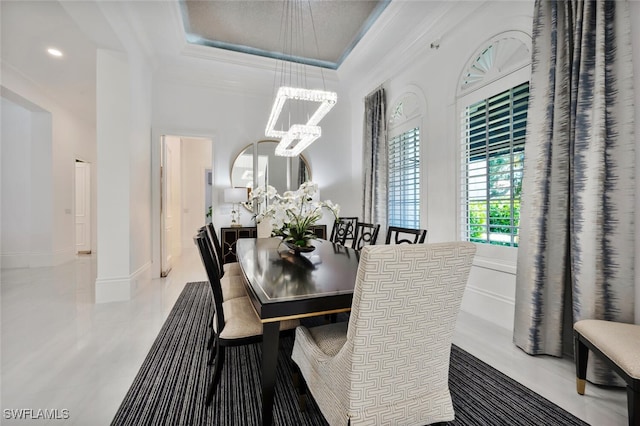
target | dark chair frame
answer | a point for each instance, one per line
(399, 237)
(582, 346)
(343, 230)
(365, 234)
(213, 237)
(219, 344)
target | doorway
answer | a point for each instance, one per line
(185, 197)
(83, 207)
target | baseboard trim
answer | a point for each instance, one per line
(14, 260)
(500, 266)
(120, 289)
(36, 259)
(493, 307)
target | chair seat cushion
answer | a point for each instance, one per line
(330, 338)
(232, 287)
(241, 320)
(620, 342)
(232, 268)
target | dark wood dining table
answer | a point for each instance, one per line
(283, 285)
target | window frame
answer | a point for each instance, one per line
(477, 161)
(398, 132)
(486, 251)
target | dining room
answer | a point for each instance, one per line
(406, 143)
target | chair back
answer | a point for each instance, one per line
(219, 257)
(405, 306)
(343, 230)
(365, 234)
(398, 235)
(201, 240)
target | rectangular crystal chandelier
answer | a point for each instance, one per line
(299, 135)
(305, 134)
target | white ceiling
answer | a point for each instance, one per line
(321, 33)
(158, 30)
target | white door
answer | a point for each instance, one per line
(171, 202)
(83, 207)
(166, 220)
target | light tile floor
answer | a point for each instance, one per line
(61, 350)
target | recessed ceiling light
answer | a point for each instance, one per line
(54, 52)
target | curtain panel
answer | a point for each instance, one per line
(375, 159)
(576, 253)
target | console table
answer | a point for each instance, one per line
(229, 237)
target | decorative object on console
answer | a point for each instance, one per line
(235, 196)
(295, 100)
(292, 214)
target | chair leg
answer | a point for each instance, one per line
(219, 362)
(213, 350)
(210, 341)
(582, 356)
(633, 401)
(301, 386)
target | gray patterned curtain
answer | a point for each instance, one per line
(576, 253)
(375, 162)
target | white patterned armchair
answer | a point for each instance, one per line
(390, 363)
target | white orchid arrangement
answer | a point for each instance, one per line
(293, 213)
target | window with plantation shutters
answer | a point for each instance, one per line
(404, 179)
(493, 157)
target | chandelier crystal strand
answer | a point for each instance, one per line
(306, 133)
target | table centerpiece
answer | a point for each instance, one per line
(291, 214)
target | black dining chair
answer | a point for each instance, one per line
(232, 268)
(235, 322)
(399, 235)
(343, 230)
(232, 285)
(365, 234)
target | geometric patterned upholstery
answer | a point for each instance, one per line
(390, 363)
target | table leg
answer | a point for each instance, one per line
(270, 344)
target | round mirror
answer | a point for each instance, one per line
(271, 169)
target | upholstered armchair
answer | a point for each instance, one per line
(390, 363)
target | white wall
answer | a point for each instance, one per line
(58, 137)
(140, 164)
(434, 75)
(231, 103)
(16, 184)
(124, 189)
(114, 209)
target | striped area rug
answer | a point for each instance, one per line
(170, 387)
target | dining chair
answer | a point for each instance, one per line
(235, 322)
(617, 344)
(399, 235)
(231, 268)
(232, 284)
(343, 230)
(365, 234)
(389, 363)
